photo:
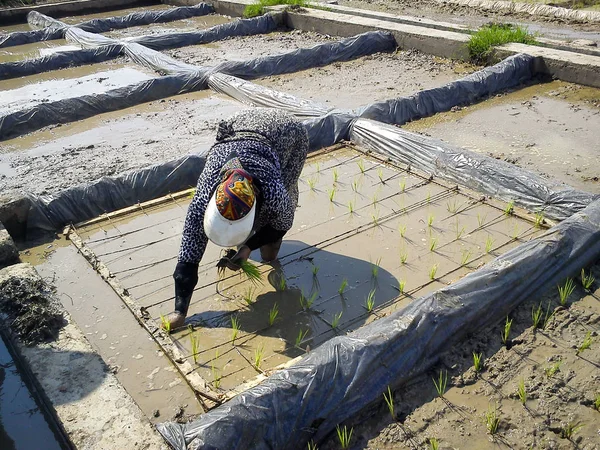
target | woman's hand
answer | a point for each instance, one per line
(232, 259)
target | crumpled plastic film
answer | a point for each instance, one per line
(506, 74)
(476, 171)
(342, 376)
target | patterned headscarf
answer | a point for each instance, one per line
(235, 195)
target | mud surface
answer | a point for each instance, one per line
(191, 24)
(547, 128)
(472, 18)
(329, 247)
(560, 382)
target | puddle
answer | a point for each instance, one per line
(333, 258)
(550, 129)
(34, 50)
(59, 88)
(23, 426)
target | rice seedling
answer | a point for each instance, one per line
(307, 302)
(539, 319)
(570, 429)
(258, 356)
(505, 333)
(336, 319)
(235, 328)
(433, 244)
(374, 200)
(318, 167)
(375, 268)
(331, 194)
(521, 391)
(489, 244)
(403, 185)
(597, 402)
(344, 436)
(351, 207)
(565, 291)
(380, 175)
(481, 219)
(452, 207)
(312, 183)
(375, 218)
(281, 283)
(402, 230)
(510, 208)
(433, 444)
(251, 271)
(315, 270)
(165, 324)
(441, 383)
(478, 362)
(401, 286)
(370, 301)
(312, 446)
(301, 336)
(335, 176)
(194, 343)
(355, 186)
(430, 218)
(403, 256)
(587, 281)
(248, 295)
(273, 313)
(343, 286)
(539, 219)
(586, 344)
(492, 420)
(361, 166)
(551, 370)
(216, 374)
(466, 256)
(432, 272)
(389, 401)
(515, 232)
(458, 230)
(428, 198)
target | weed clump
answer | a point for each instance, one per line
(258, 8)
(482, 42)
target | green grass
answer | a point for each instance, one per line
(343, 287)
(336, 320)
(344, 436)
(564, 292)
(482, 42)
(432, 272)
(401, 286)
(252, 272)
(307, 302)
(312, 446)
(258, 8)
(301, 336)
(505, 333)
(433, 444)
(492, 420)
(597, 402)
(441, 383)
(258, 356)
(273, 313)
(389, 401)
(521, 391)
(587, 281)
(370, 301)
(478, 362)
(539, 320)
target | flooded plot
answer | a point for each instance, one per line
(550, 129)
(368, 238)
(74, 20)
(34, 50)
(177, 26)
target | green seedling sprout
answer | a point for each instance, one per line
(375, 268)
(380, 175)
(361, 166)
(258, 356)
(375, 218)
(505, 333)
(403, 256)
(402, 230)
(489, 243)
(433, 444)
(301, 336)
(466, 255)
(587, 281)
(478, 362)
(351, 207)
(355, 185)
(492, 420)
(194, 341)
(318, 167)
(389, 401)
(441, 383)
(402, 184)
(374, 200)
(248, 295)
(215, 372)
(510, 208)
(428, 198)
(312, 182)
(521, 391)
(307, 302)
(370, 301)
(343, 287)
(401, 286)
(586, 344)
(252, 272)
(273, 313)
(336, 319)
(235, 328)
(331, 193)
(570, 429)
(433, 244)
(344, 436)
(312, 446)
(430, 218)
(459, 231)
(564, 292)
(315, 270)
(281, 283)
(335, 175)
(538, 318)
(516, 232)
(452, 207)
(550, 371)
(432, 272)
(597, 402)
(166, 325)
(539, 219)
(481, 219)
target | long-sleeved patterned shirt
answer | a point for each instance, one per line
(274, 158)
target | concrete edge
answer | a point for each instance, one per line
(92, 408)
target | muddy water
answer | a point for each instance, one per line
(360, 251)
(74, 20)
(23, 426)
(191, 24)
(550, 129)
(34, 50)
(59, 88)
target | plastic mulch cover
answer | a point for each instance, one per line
(50, 30)
(476, 171)
(347, 373)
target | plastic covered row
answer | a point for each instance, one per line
(347, 373)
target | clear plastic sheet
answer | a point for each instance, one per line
(347, 373)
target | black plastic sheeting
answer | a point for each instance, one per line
(474, 170)
(347, 373)
(60, 60)
(133, 19)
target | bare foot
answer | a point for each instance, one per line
(175, 320)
